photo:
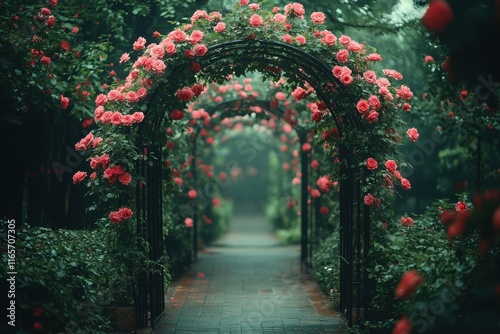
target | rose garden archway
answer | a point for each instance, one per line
(360, 105)
(354, 216)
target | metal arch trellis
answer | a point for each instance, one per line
(354, 216)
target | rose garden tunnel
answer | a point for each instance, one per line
(265, 57)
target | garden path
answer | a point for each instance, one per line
(247, 283)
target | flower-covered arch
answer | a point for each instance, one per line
(355, 106)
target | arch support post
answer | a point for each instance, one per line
(346, 232)
(304, 216)
(150, 299)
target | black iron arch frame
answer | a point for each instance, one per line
(354, 216)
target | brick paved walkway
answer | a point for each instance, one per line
(247, 283)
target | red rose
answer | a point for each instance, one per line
(115, 217)
(45, 60)
(324, 183)
(65, 46)
(192, 194)
(37, 326)
(438, 16)
(461, 207)
(38, 311)
(176, 115)
(408, 284)
(185, 94)
(64, 101)
(79, 177)
(403, 326)
(391, 165)
(371, 164)
(125, 178)
(125, 213)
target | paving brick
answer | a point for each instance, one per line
(250, 284)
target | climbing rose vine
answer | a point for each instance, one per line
(367, 103)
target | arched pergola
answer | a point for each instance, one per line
(295, 64)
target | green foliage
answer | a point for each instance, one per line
(326, 267)
(67, 274)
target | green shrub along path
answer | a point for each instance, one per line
(248, 282)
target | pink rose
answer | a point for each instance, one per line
(192, 194)
(300, 39)
(280, 18)
(315, 193)
(255, 20)
(177, 35)
(98, 113)
(200, 50)
(188, 222)
(101, 100)
(369, 199)
(106, 117)
(337, 71)
(244, 2)
(343, 56)
(196, 36)
(117, 118)
(96, 142)
(141, 92)
(412, 134)
(324, 183)
(383, 82)
(132, 97)
(355, 46)
(371, 164)
(128, 120)
(391, 165)
(405, 184)
(328, 39)
(374, 57)
(114, 95)
(138, 116)
(345, 40)
(104, 160)
(428, 59)
(287, 38)
(374, 102)
(346, 79)
(254, 6)
(318, 17)
(157, 51)
(295, 9)
(362, 106)
(372, 117)
(139, 44)
(124, 58)
(370, 77)
(220, 27)
(158, 66)
(404, 92)
(79, 177)
(170, 48)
